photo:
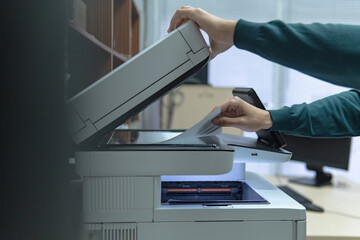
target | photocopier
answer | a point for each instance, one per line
(135, 186)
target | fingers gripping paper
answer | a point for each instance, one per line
(203, 128)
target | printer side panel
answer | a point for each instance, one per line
(300, 230)
(269, 230)
(118, 199)
(152, 163)
(247, 230)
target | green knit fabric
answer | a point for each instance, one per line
(330, 52)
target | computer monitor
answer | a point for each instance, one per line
(317, 153)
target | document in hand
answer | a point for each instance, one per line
(203, 128)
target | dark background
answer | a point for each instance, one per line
(35, 199)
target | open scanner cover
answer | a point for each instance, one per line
(100, 108)
(137, 83)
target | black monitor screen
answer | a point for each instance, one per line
(318, 152)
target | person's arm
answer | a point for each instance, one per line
(330, 52)
(334, 116)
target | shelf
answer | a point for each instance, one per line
(111, 37)
(135, 30)
(99, 19)
(98, 43)
(122, 32)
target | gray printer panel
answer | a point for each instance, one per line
(137, 82)
(120, 85)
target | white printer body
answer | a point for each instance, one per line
(123, 195)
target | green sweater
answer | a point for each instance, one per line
(330, 52)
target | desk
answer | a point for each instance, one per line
(341, 201)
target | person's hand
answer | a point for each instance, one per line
(220, 31)
(240, 114)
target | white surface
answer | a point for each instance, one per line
(148, 137)
(237, 173)
(270, 230)
(341, 219)
(203, 128)
(153, 163)
(250, 155)
(111, 203)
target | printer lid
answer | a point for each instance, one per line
(137, 83)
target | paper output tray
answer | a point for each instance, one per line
(215, 193)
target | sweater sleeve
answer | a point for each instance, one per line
(330, 52)
(334, 116)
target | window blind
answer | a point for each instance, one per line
(322, 11)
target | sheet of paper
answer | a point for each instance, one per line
(203, 128)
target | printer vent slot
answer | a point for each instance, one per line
(110, 193)
(111, 231)
(114, 231)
